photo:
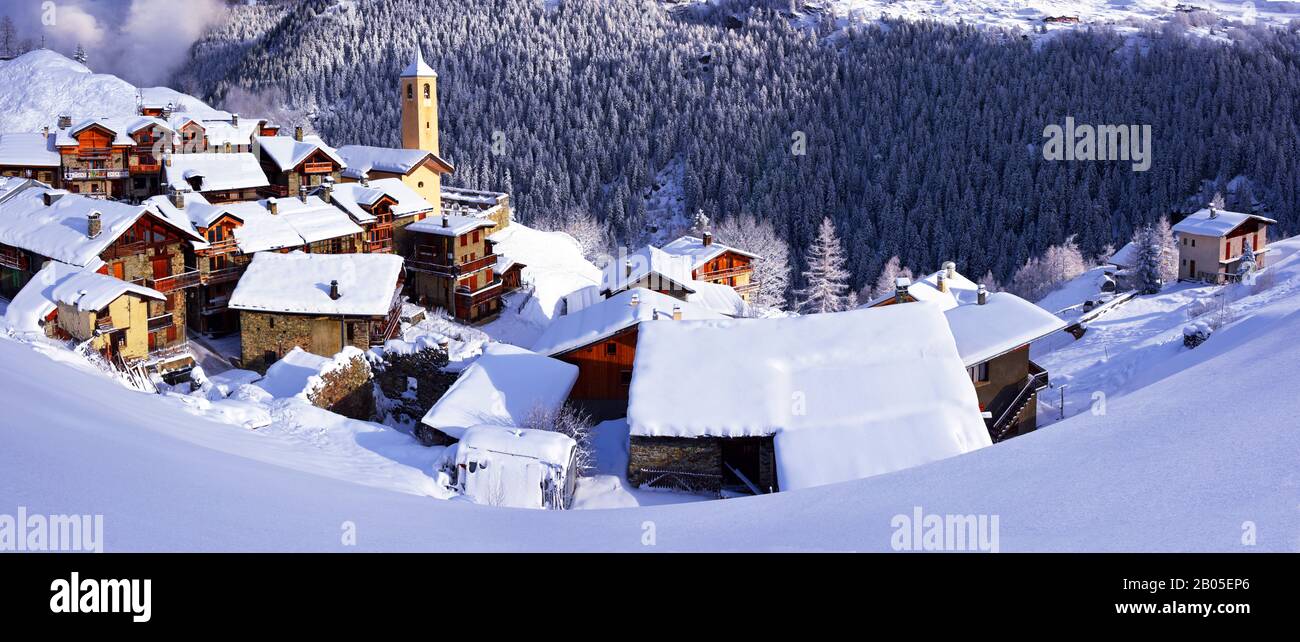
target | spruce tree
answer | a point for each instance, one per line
(826, 279)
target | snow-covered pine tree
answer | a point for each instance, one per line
(699, 223)
(1149, 261)
(1247, 264)
(771, 268)
(80, 55)
(889, 275)
(1164, 236)
(826, 279)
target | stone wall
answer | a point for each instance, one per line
(263, 332)
(347, 391)
(425, 367)
(678, 454)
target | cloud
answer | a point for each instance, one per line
(142, 41)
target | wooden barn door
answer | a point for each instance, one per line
(325, 337)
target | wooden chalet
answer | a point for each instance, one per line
(713, 262)
(453, 266)
(297, 163)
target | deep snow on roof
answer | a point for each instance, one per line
(847, 395)
(666, 271)
(542, 445)
(698, 253)
(450, 225)
(287, 153)
(352, 196)
(610, 316)
(28, 150)
(215, 171)
(1125, 256)
(501, 388)
(959, 290)
(298, 222)
(36, 300)
(299, 283)
(1202, 223)
(60, 231)
(90, 291)
(363, 159)
(1004, 323)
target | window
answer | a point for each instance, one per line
(611, 349)
(476, 236)
(421, 184)
(625, 377)
(1193, 242)
(270, 357)
(271, 322)
(427, 92)
(464, 241)
(979, 373)
(410, 92)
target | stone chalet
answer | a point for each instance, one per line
(318, 302)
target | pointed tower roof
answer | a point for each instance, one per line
(419, 68)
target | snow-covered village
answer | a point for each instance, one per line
(699, 276)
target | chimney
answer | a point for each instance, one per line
(982, 295)
(178, 199)
(234, 120)
(708, 239)
(327, 192)
(677, 313)
(334, 290)
(50, 197)
(636, 299)
(92, 225)
(627, 269)
(273, 205)
(302, 193)
(46, 131)
(1214, 213)
(444, 221)
(901, 284)
(950, 269)
(297, 133)
(167, 160)
(65, 121)
(943, 281)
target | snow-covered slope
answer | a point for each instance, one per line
(37, 87)
(1162, 469)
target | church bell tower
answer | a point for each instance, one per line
(420, 106)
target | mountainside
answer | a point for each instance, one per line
(41, 85)
(1145, 475)
(918, 139)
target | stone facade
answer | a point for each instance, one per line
(138, 267)
(347, 391)
(696, 462)
(265, 336)
(425, 367)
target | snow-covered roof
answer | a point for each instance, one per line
(89, 291)
(297, 223)
(419, 67)
(219, 133)
(613, 315)
(1125, 256)
(666, 271)
(353, 196)
(121, 127)
(60, 231)
(501, 388)
(1005, 322)
(299, 372)
(450, 225)
(719, 297)
(28, 150)
(11, 186)
(698, 253)
(215, 171)
(542, 445)
(960, 290)
(1216, 223)
(287, 153)
(298, 283)
(36, 300)
(470, 196)
(363, 159)
(847, 395)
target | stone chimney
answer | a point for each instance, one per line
(445, 222)
(274, 205)
(636, 299)
(901, 284)
(65, 121)
(234, 120)
(950, 269)
(50, 197)
(178, 199)
(982, 295)
(1214, 213)
(92, 225)
(327, 191)
(677, 313)
(167, 160)
(943, 281)
(627, 268)
(708, 239)
(302, 193)
(46, 131)
(334, 290)
(297, 133)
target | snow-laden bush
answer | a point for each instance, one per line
(571, 422)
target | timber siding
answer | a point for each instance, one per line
(1008, 375)
(687, 463)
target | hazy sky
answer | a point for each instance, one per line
(142, 41)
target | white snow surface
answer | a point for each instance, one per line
(1217, 223)
(1004, 323)
(362, 159)
(500, 389)
(61, 230)
(847, 395)
(90, 291)
(287, 152)
(541, 445)
(217, 171)
(40, 85)
(613, 315)
(300, 283)
(28, 149)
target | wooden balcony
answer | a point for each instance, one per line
(161, 322)
(175, 282)
(224, 275)
(94, 174)
(13, 259)
(381, 246)
(218, 248)
(275, 191)
(725, 273)
(481, 295)
(104, 325)
(317, 168)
